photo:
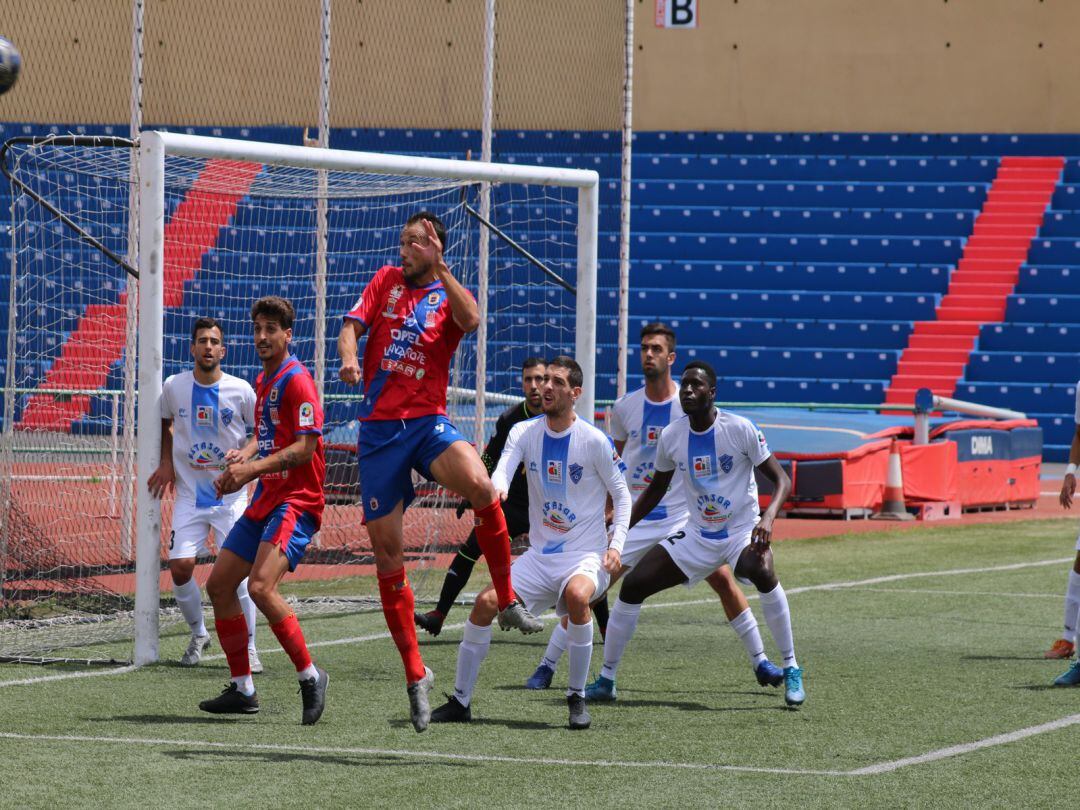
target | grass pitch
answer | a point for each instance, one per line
(924, 676)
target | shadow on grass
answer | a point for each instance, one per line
(517, 725)
(193, 719)
(1039, 687)
(1001, 658)
(352, 760)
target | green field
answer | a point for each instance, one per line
(912, 644)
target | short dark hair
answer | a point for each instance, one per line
(532, 362)
(275, 308)
(575, 377)
(440, 228)
(206, 322)
(658, 328)
(710, 372)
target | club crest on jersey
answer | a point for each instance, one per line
(226, 416)
(434, 299)
(575, 472)
(392, 299)
(204, 415)
(274, 394)
(652, 434)
(702, 466)
(306, 415)
(726, 462)
(554, 472)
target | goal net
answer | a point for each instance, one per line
(219, 224)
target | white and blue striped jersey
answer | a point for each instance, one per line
(207, 422)
(717, 469)
(569, 475)
(638, 421)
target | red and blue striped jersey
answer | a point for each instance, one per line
(411, 338)
(287, 406)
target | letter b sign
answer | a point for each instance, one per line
(676, 13)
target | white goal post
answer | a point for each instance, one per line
(154, 149)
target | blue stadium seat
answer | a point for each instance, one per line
(1034, 367)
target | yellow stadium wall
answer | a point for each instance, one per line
(858, 65)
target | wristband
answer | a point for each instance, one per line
(1070, 469)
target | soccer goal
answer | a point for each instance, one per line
(117, 247)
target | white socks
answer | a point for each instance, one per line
(555, 648)
(189, 598)
(1072, 605)
(245, 684)
(248, 607)
(620, 629)
(746, 628)
(475, 642)
(579, 638)
(774, 605)
(307, 673)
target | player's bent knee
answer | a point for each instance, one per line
(485, 607)
(260, 591)
(181, 570)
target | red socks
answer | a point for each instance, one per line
(233, 637)
(291, 637)
(397, 606)
(494, 540)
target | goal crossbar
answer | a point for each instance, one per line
(154, 147)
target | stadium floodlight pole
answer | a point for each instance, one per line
(151, 346)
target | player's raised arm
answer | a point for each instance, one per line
(508, 461)
(462, 304)
(771, 469)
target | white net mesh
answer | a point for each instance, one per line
(234, 231)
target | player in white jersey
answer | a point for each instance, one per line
(206, 415)
(715, 454)
(1066, 645)
(571, 469)
(637, 420)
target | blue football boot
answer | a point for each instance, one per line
(1071, 677)
(793, 689)
(541, 679)
(768, 673)
(602, 690)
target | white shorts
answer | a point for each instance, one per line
(192, 525)
(645, 535)
(539, 579)
(698, 556)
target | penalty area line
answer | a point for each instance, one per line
(69, 675)
(876, 769)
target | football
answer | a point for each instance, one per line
(10, 64)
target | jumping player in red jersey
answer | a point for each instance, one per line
(286, 455)
(414, 317)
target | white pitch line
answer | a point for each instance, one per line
(868, 770)
(69, 675)
(828, 586)
(965, 748)
(962, 593)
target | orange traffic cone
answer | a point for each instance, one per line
(892, 508)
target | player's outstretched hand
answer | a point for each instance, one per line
(432, 249)
(761, 536)
(161, 480)
(349, 373)
(234, 456)
(1068, 490)
(232, 480)
(612, 561)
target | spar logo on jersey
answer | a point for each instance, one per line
(204, 415)
(226, 416)
(206, 456)
(726, 462)
(575, 472)
(558, 517)
(554, 472)
(306, 415)
(702, 467)
(652, 435)
(714, 509)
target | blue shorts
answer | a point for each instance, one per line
(388, 450)
(286, 527)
